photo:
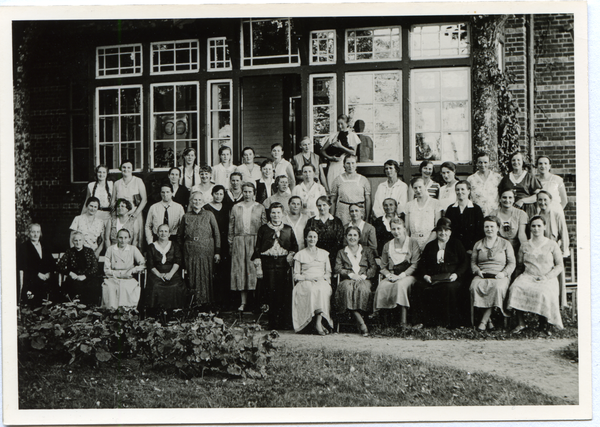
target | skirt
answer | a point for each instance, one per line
(166, 295)
(393, 294)
(243, 272)
(275, 290)
(486, 293)
(353, 295)
(309, 299)
(527, 294)
(120, 293)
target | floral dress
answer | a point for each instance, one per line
(422, 219)
(484, 191)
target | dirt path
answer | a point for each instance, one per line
(532, 362)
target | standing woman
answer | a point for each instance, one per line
(80, 267)
(349, 188)
(305, 157)
(448, 191)
(513, 221)
(265, 185)
(329, 228)
(392, 188)
(244, 221)
(181, 194)
(556, 226)
(309, 190)
(422, 213)
(38, 266)
(91, 226)
(383, 227)
(281, 166)
(222, 171)
(204, 187)
(524, 183)
(484, 185)
(122, 219)
(368, 237)
(552, 183)
(201, 242)
(131, 188)
(344, 142)
(426, 170)
(492, 263)
(190, 172)
(536, 290)
(102, 189)
(273, 255)
(296, 219)
(399, 262)
(357, 267)
(282, 194)
(466, 217)
(312, 290)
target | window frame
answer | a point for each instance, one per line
(97, 124)
(310, 54)
(209, 111)
(208, 60)
(174, 64)
(119, 75)
(367, 61)
(434, 58)
(290, 55)
(311, 105)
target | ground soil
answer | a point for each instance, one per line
(534, 362)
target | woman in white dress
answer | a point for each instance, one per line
(536, 290)
(204, 187)
(399, 260)
(350, 188)
(553, 184)
(131, 188)
(91, 226)
(392, 188)
(448, 190)
(296, 219)
(222, 171)
(309, 190)
(422, 214)
(312, 290)
(484, 185)
(102, 189)
(190, 172)
(344, 142)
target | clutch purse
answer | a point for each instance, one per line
(440, 278)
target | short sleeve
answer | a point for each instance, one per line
(366, 185)
(75, 224)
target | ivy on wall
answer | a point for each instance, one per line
(496, 127)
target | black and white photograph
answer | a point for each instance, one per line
(287, 213)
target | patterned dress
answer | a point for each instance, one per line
(331, 235)
(484, 191)
(355, 294)
(162, 293)
(526, 186)
(509, 228)
(99, 191)
(539, 297)
(131, 192)
(553, 185)
(82, 262)
(120, 289)
(91, 227)
(199, 236)
(422, 219)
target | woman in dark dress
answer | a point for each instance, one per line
(38, 266)
(466, 217)
(222, 274)
(265, 186)
(439, 297)
(383, 230)
(165, 289)
(524, 184)
(275, 248)
(80, 267)
(329, 228)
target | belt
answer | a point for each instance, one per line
(105, 209)
(272, 257)
(361, 204)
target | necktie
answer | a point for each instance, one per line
(166, 220)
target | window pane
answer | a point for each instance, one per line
(130, 100)
(454, 115)
(133, 153)
(163, 98)
(174, 56)
(130, 128)
(108, 129)
(456, 146)
(359, 88)
(109, 102)
(379, 44)
(122, 60)
(439, 41)
(428, 146)
(323, 108)
(164, 155)
(187, 99)
(386, 146)
(220, 131)
(322, 120)
(267, 42)
(427, 117)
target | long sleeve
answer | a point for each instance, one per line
(63, 263)
(149, 224)
(216, 233)
(261, 236)
(369, 255)
(511, 262)
(385, 260)
(463, 261)
(231, 232)
(371, 237)
(415, 255)
(340, 264)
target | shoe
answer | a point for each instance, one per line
(319, 329)
(490, 325)
(363, 330)
(481, 327)
(518, 329)
(418, 326)
(242, 307)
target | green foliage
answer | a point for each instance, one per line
(74, 333)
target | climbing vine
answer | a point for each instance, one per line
(496, 127)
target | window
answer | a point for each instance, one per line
(119, 125)
(119, 61)
(268, 42)
(219, 116)
(373, 44)
(322, 107)
(441, 114)
(174, 122)
(439, 41)
(322, 47)
(218, 54)
(376, 99)
(179, 56)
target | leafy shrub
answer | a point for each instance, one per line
(75, 333)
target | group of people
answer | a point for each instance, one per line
(303, 241)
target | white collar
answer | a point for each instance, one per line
(354, 259)
(125, 249)
(329, 216)
(469, 205)
(404, 248)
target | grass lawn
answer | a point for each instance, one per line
(296, 379)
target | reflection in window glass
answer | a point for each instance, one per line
(439, 41)
(268, 42)
(175, 122)
(180, 56)
(373, 44)
(218, 54)
(441, 123)
(373, 102)
(322, 107)
(119, 125)
(119, 61)
(322, 47)
(219, 121)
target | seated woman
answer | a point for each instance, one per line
(536, 290)
(492, 263)
(120, 220)
(91, 226)
(275, 248)
(383, 230)
(367, 231)
(80, 267)
(439, 298)
(121, 261)
(357, 267)
(312, 292)
(165, 289)
(398, 263)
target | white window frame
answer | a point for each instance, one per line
(119, 47)
(174, 64)
(333, 116)
(290, 55)
(422, 58)
(400, 118)
(413, 141)
(97, 124)
(225, 61)
(152, 121)
(399, 58)
(209, 111)
(311, 55)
